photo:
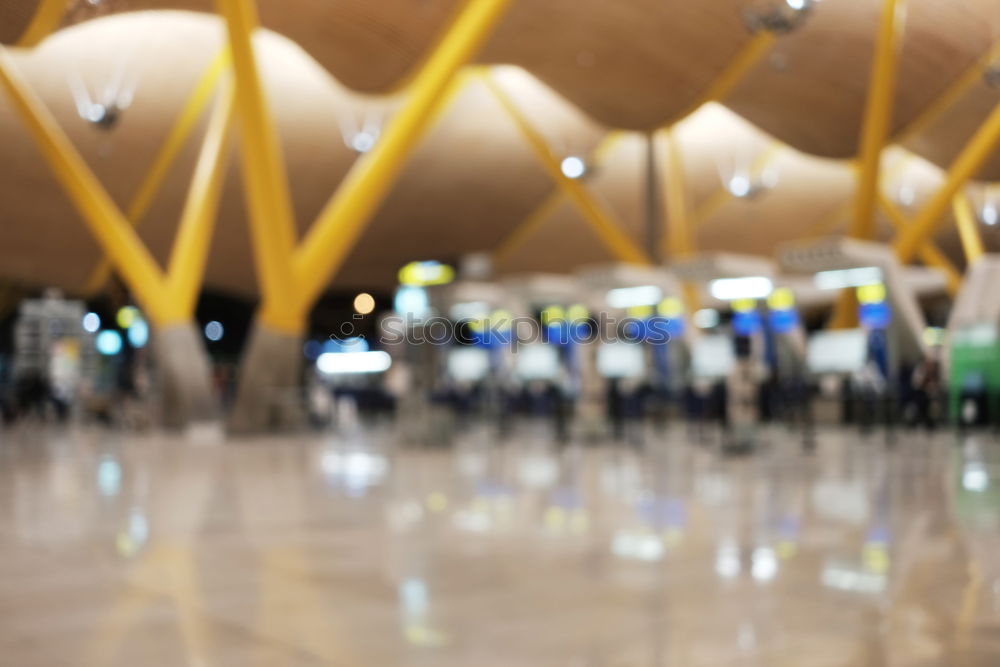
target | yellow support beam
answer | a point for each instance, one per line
(335, 231)
(845, 311)
(269, 203)
(112, 229)
(531, 224)
(969, 161)
(878, 116)
(734, 72)
(166, 299)
(929, 253)
(952, 94)
(527, 228)
(194, 233)
(968, 230)
(600, 221)
(47, 17)
(829, 222)
(729, 78)
(165, 157)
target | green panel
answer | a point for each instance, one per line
(974, 358)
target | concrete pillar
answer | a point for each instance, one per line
(268, 395)
(185, 378)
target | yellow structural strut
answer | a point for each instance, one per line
(269, 203)
(179, 134)
(929, 253)
(728, 79)
(46, 19)
(293, 275)
(878, 116)
(335, 231)
(194, 234)
(678, 241)
(954, 92)
(155, 292)
(734, 72)
(965, 166)
(968, 231)
(613, 238)
(531, 224)
(527, 227)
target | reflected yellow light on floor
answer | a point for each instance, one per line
(786, 549)
(437, 502)
(876, 558)
(364, 303)
(555, 517)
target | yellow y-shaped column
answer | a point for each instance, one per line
(293, 275)
(166, 298)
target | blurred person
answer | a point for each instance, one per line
(869, 388)
(926, 384)
(320, 402)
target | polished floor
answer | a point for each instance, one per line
(351, 550)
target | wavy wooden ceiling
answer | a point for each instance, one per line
(632, 65)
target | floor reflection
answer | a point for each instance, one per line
(348, 549)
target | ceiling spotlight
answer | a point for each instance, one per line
(742, 187)
(573, 167)
(989, 214)
(214, 331)
(104, 111)
(739, 186)
(906, 195)
(364, 141)
(777, 16)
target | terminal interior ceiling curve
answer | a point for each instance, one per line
(631, 66)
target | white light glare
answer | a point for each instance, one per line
(706, 318)
(765, 564)
(797, 5)
(347, 363)
(573, 167)
(727, 561)
(470, 310)
(637, 546)
(363, 141)
(739, 186)
(108, 342)
(752, 287)
(412, 302)
(841, 278)
(975, 478)
(138, 334)
(851, 579)
(91, 322)
(907, 195)
(990, 214)
(627, 297)
(214, 331)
